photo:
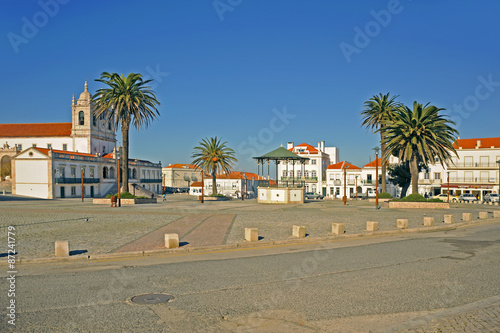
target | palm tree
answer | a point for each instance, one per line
(418, 135)
(378, 110)
(213, 156)
(127, 101)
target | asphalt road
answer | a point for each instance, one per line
(372, 284)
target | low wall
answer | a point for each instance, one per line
(280, 195)
(424, 205)
(216, 198)
(104, 201)
(379, 199)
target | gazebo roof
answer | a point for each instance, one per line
(280, 154)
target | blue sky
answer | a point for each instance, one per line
(256, 73)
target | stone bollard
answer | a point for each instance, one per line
(171, 241)
(496, 213)
(495, 203)
(490, 203)
(62, 248)
(448, 219)
(466, 216)
(251, 234)
(402, 223)
(4, 192)
(337, 228)
(428, 221)
(299, 231)
(483, 215)
(371, 226)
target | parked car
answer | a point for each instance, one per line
(467, 197)
(491, 197)
(443, 197)
(311, 195)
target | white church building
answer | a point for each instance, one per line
(47, 160)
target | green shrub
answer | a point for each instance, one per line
(417, 198)
(125, 195)
(384, 195)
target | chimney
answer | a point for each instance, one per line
(289, 145)
(478, 143)
(323, 146)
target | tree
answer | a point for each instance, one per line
(213, 156)
(127, 101)
(418, 135)
(400, 175)
(377, 112)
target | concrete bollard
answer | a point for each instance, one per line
(402, 223)
(483, 215)
(251, 234)
(62, 248)
(466, 216)
(495, 203)
(338, 228)
(299, 231)
(448, 219)
(371, 226)
(496, 213)
(490, 203)
(4, 192)
(171, 241)
(428, 221)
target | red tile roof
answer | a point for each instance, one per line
(308, 147)
(182, 166)
(239, 175)
(372, 164)
(46, 152)
(196, 184)
(471, 143)
(341, 165)
(35, 130)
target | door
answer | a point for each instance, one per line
(92, 191)
(324, 191)
(62, 192)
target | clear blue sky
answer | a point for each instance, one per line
(229, 67)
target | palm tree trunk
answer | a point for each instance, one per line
(214, 184)
(384, 164)
(125, 130)
(414, 174)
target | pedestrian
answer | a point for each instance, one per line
(163, 196)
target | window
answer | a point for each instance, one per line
(426, 175)
(94, 121)
(306, 173)
(49, 145)
(73, 172)
(437, 175)
(313, 162)
(109, 126)
(33, 145)
(19, 146)
(332, 177)
(313, 173)
(284, 173)
(81, 118)
(105, 172)
(299, 173)
(65, 146)
(468, 161)
(369, 178)
(73, 190)
(91, 172)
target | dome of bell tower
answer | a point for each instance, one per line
(85, 96)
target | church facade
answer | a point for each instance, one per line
(60, 160)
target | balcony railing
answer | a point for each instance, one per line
(62, 180)
(473, 180)
(473, 165)
(430, 181)
(281, 183)
(299, 179)
(151, 180)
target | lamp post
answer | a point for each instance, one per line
(202, 186)
(448, 173)
(344, 199)
(242, 196)
(118, 153)
(356, 187)
(245, 177)
(376, 175)
(81, 169)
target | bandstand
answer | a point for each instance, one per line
(289, 191)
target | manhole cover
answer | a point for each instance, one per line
(152, 299)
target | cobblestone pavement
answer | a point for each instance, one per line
(482, 316)
(97, 229)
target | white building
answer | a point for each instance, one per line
(232, 183)
(335, 174)
(314, 171)
(180, 175)
(474, 171)
(50, 157)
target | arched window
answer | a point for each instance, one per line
(111, 172)
(94, 121)
(105, 172)
(81, 118)
(134, 174)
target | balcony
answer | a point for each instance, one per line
(475, 165)
(299, 179)
(150, 180)
(62, 180)
(281, 183)
(475, 180)
(430, 181)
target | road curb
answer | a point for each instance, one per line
(258, 244)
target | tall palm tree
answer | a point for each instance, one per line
(379, 110)
(213, 156)
(421, 135)
(128, 101)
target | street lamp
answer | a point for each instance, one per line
(376, 175)
(448, 185)
(356, 187)
(345, 184)
(82, 180)
(118, 153)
